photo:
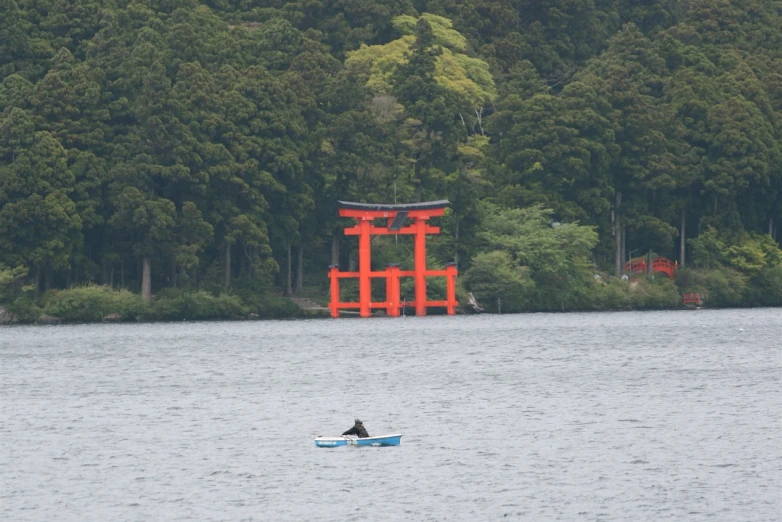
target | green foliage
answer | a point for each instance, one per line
(495, 275)
(555, 151)
(91, 303)
(198, 306)
(534, 239)
(746, 253)
(442, 30)
(273, 306)
(259, 298)
(555, 254)
(610, 294)
(468, 77)
(24, 309)
(722, 287)
(708, 249)
(39, 223)
(659, 293)
(765, 289)
(17, 297)
(11, 280)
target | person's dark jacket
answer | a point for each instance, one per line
(357, 429)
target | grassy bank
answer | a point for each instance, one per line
(719, 288)
(92, 303)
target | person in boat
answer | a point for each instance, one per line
(357, 429)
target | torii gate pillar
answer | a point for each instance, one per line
(420, 266)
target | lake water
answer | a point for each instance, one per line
(610, 416)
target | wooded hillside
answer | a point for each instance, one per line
(174, 143)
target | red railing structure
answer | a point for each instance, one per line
(693, 299)
(396, 217)
(659, 264)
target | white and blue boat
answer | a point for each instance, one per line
(381, 440)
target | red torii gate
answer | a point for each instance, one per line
(396, 215)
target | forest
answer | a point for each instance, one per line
(183, 159)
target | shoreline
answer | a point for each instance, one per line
(307, 316)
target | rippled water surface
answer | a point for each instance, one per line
(613, 416)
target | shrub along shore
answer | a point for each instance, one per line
(719, 288)
(94, 304)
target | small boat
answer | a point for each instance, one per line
(381, 440)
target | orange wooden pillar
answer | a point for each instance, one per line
(392, 290)
(451, 288)
(364, 268)
(420, 265)
(334, 304)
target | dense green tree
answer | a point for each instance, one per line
(15, 44)
(499, 283)
(629, 75)
(151, 223)
(556, 150)
(555, 254)
(39, 223)
(442, 94)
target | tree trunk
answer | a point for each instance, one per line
(122, 273)
(111, 276)
(419, 182)
(456, 242)
(47, 280)
(104, 270)
(174, 271)
(771, 227)
(649, 263)
(242, 261)
(683, 239)
(619, 257)
(352, 262)
(37, 292)
(618, 251)
(300, 270)
(335, 249)
(227, 270)
(288, 279)
(106, 267)
(146, 279)
(624, 246)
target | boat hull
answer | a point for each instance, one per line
(381, 440)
